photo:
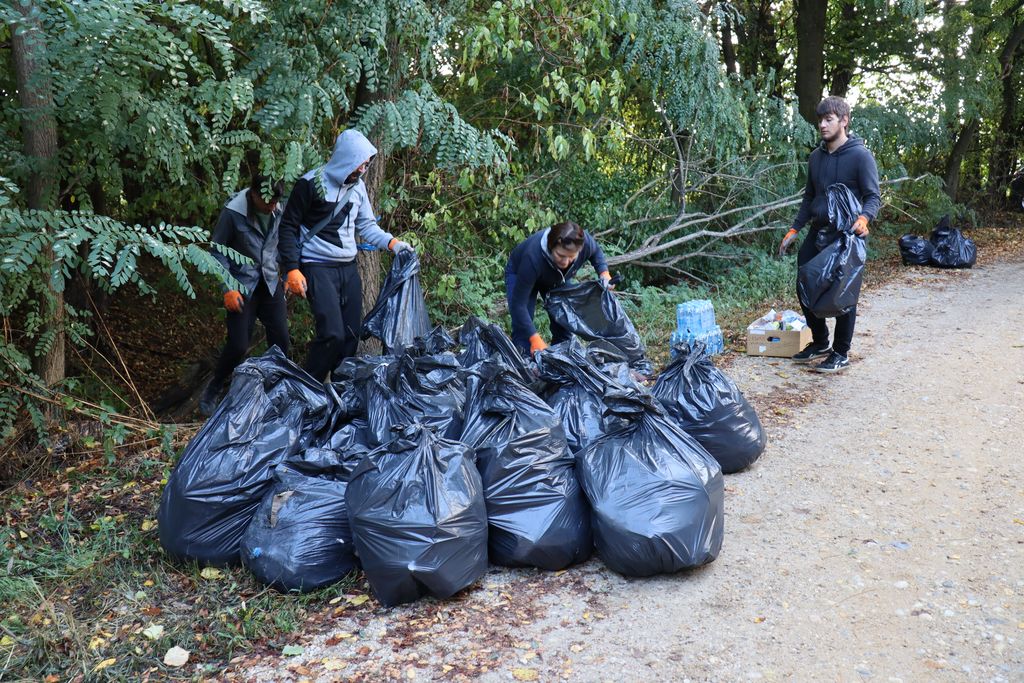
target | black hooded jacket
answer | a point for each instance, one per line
(852, 165)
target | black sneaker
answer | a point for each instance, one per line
(835, 362)
(811, 352)
(210, 398)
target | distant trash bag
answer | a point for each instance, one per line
(419, 522)
(576, 390)
(482, 340)
(657, 495)
(591, 311)
(915, 251)
(338, 457)
(952, 249)
(536, 509)
(710, 408)
(299, 538)
(272, 410)
(436, 341)
(829, 284)
(400, 314)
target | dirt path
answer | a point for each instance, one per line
(880, 537)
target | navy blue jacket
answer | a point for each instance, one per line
(852, 165)
(535, 273)
(238, 228)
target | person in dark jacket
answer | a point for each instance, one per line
(318, 248)
(249, 224)
(538, 264)
(841, 158)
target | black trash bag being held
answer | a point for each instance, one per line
(710, 407)
(400, 314)
(915, 251)
(272, 410)
(657, 495)
(829, 284)
(419, 522)
(299, 538)
(591, 311)
(537, 513)
(952, 249)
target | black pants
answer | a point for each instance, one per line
(335, 295)
(520, 336)
(271, 310)
(819, 330)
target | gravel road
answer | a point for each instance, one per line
(879, 538)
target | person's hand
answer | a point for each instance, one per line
(860, 226)
(233, 301)
(536, 343)
(607, 277)
(786, 241)
(296, 283)
(398, 246)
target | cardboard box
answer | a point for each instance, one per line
(776, 343)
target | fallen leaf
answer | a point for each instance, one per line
(358, 599)
(6, 641)
(410, 673)
(758, 620)
(292, 650)
(335, 601)
(154, 632)
(148, 524)
(176, 656)
(104, 664)
(333, 664)
(97, 642)
(525, 674)
(211, 573)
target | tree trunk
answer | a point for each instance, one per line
(1005, 142)
(728, 51)
(758, 46)
(843, 73)
(39, 136)
(368, 262)
(810, 55)
(964, 142)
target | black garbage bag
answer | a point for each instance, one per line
(415, 390)
(591, 311)
(436, 341)
(338, 456)
(419, 522)
(916, 251)
(657, 495)
(400, 314)
(537, 513)
(299, 538)
(710, 408)
(482, 340)
(612, 362)
(578, 392)
(829, 284)
(272, 410)
(952, 249)
(350, 379)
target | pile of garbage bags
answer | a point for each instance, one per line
(945, 248)
(424, 465)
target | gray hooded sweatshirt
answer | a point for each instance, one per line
(319, 194)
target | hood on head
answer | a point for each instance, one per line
(350, 150)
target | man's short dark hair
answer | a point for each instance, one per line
(833, 105)
(566, 234)
(268, 189)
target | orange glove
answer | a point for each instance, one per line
(536, 343)
(233, 301)
(296, 283)
(860, 226)
(786, 241)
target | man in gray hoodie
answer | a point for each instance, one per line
(248, 224)
(841, 158)
(318, 248)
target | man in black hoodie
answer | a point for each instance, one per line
(841, 158)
